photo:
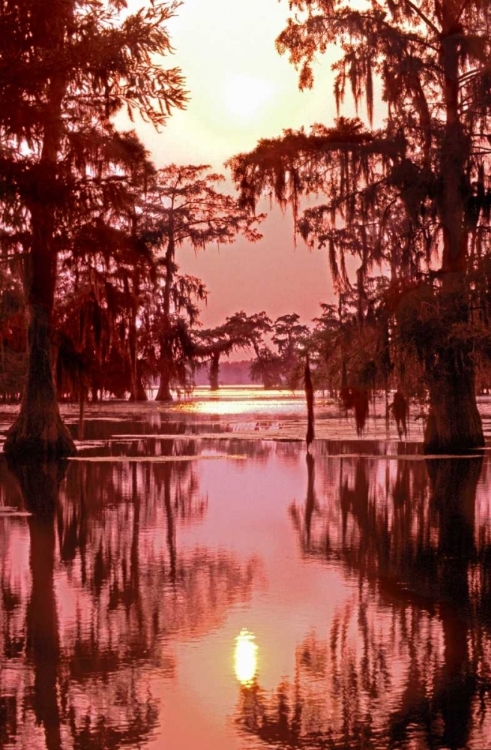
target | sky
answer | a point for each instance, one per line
(240, 90)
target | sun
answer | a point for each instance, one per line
(245, 95)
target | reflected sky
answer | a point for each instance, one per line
(275, 601)
(251, 413)
(234, 400)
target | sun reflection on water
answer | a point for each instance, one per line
(245, 657)
(235, 400)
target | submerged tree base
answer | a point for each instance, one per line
(140, 396)
(450, 445)
(454, 424)
(164, 394)
(39, 487)
(41, 437)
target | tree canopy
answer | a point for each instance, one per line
(410, 199)
(66, 70)
(185, 204)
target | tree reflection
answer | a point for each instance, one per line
(304, 524)
(103, 587)
(407, 659)
(39, 486)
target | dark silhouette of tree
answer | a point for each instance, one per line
(412, 196)
(91, 341)
(110, 323)
(354, 361)
(346, 353)
(183, 206)
(289, 337)
(285, 366)
(67, 70)
(267, 368)
(309, 397)
(106, 275)
(13, 336)
(186, 294)
(240, 331)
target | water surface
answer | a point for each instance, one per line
(186, 584)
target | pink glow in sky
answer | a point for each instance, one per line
(242, 90)
(270, 275)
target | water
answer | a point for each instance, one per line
(218, 590)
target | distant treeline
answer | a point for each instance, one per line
(231, 373)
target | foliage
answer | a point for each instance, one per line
(184, 204)
(411, 199)
(132, 315)
(285, 366)
(13, 337)
(66, 70)
(240, 331)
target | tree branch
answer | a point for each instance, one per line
(420, 13)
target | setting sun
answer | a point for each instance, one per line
(245, 95)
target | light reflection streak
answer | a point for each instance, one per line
(245, 657)
(230, 401)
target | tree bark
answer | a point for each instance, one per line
(39, 431)
(137, 390)
(140, 394)
(214, 371)
(309, 396)
(164, 392)
(454, 424)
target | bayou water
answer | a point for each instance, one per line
(193, 579)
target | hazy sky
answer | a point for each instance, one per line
(242, 90)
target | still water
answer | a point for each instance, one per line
(181, 585)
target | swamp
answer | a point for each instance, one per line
(191, 560)
(194, 578)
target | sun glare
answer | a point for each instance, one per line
(245, 657)
(245, 95)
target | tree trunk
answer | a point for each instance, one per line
(39, 431)
(137, 390)
(164, 393)
(454, 424)
(214, 372)
(309, 396)
(140, 393)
